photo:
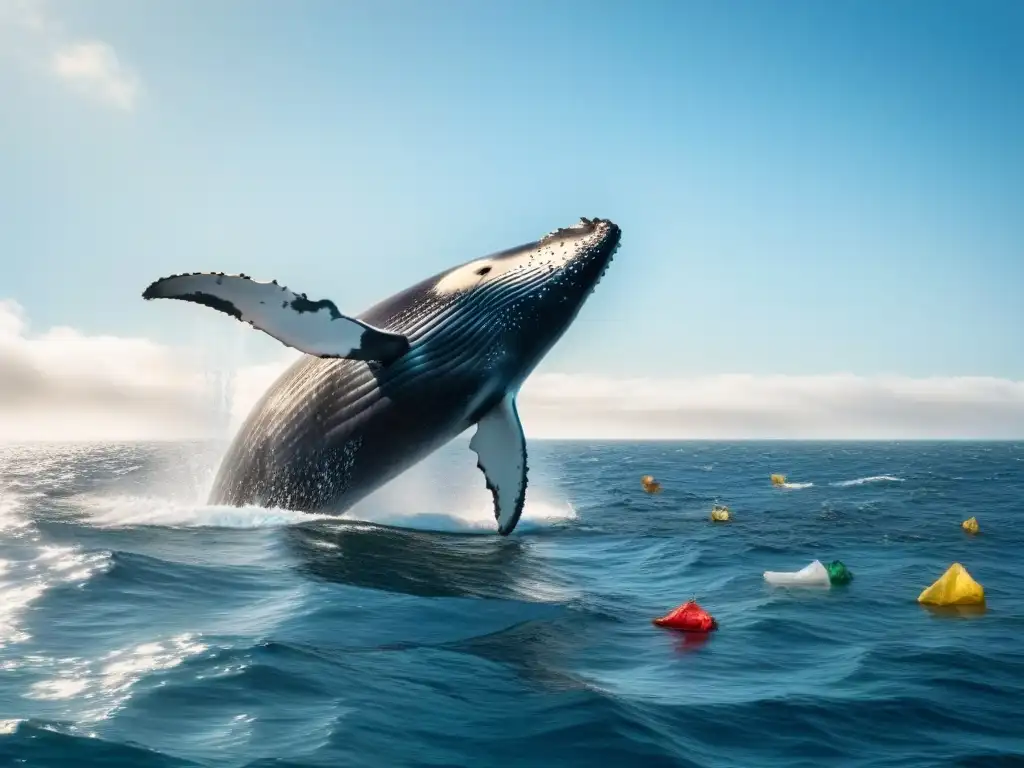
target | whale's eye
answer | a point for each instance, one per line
(483, 270)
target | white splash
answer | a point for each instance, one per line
(866, 480)
(127, 511)
(537, 515)
(8, 727)
(428, 498)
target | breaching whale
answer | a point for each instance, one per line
(376, 393)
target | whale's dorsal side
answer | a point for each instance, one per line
(313, 327)
(500, 447)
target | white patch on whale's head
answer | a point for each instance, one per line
(529, 295)
(570, 249)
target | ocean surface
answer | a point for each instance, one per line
(141, 627)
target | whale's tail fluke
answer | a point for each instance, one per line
(314, 327)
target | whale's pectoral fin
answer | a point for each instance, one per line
(314, 327)
(500, 447)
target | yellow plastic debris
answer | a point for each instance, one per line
(649, 484)
(971, 525)
(954, 587)
(720, 514)
(778, 479)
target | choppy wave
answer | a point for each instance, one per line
(140, 626)
(29, 567)
(867, 480)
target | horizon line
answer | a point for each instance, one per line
(461, 438)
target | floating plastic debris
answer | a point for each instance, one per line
(838, 573)
(954, 587)
(813, 575)
(720, 513)
(970, 525)
(649, 484)
(688, 617)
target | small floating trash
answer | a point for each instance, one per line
(970, 525)
(838, 574)
(813, 575)
(778, 480)
(688, 617)
(954, 587)
(649, 484)
(720, 513)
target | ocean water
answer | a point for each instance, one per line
(140, 627)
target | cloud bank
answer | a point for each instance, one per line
(90, 68)
(61, 384)
(840, 406)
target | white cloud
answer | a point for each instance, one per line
(66, 385)
(88, 67)
(839, 406)
(93, 69)
(24, 13)
(62, 384)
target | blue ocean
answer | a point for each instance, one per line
(141, 627)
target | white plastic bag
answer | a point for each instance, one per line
(813, 575)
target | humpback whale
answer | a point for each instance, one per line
(374, 394)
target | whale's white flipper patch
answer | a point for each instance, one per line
(314, 327)
(500, 448)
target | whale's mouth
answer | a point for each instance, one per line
(608, 261)
(595, 234)
(600, 276)
(606, 239)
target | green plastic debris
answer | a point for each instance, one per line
(838, 573)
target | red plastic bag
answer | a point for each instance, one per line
(688, 617)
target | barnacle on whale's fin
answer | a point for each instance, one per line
(310, 326)
(500, 447)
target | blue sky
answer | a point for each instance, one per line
(804, 187)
